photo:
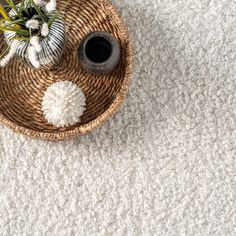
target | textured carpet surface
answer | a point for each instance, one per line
(165, 164)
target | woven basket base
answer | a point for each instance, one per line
(22, 87)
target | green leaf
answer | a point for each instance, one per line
(18, 31)
(2, 21)
(13, 22)
(22, 6)
(12, 5)
(43, 17)
(51, 20)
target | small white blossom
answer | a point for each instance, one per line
(32, 24)
(51, 5)
(35, 43)
(38, 2)
(14, 46)
(32, 55)
(44, 30)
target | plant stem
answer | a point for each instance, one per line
(3, 12)
(18, 31)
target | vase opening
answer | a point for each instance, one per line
(98, 49)
(29, 13)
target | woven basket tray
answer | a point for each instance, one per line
(22, 87)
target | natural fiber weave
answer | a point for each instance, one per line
(22, 87)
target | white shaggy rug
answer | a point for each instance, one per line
(165, 164)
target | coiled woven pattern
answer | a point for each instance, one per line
(22, 87)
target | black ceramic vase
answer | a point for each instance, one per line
(99, 53)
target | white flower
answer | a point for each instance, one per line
(51, 5)
(38, 2)
(35, 43)
(32, 55)
(63, 103)
(44, 30)
(32, 24)
(14, 46)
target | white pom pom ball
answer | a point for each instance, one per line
(63, 104)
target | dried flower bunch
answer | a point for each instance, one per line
(29, 21)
